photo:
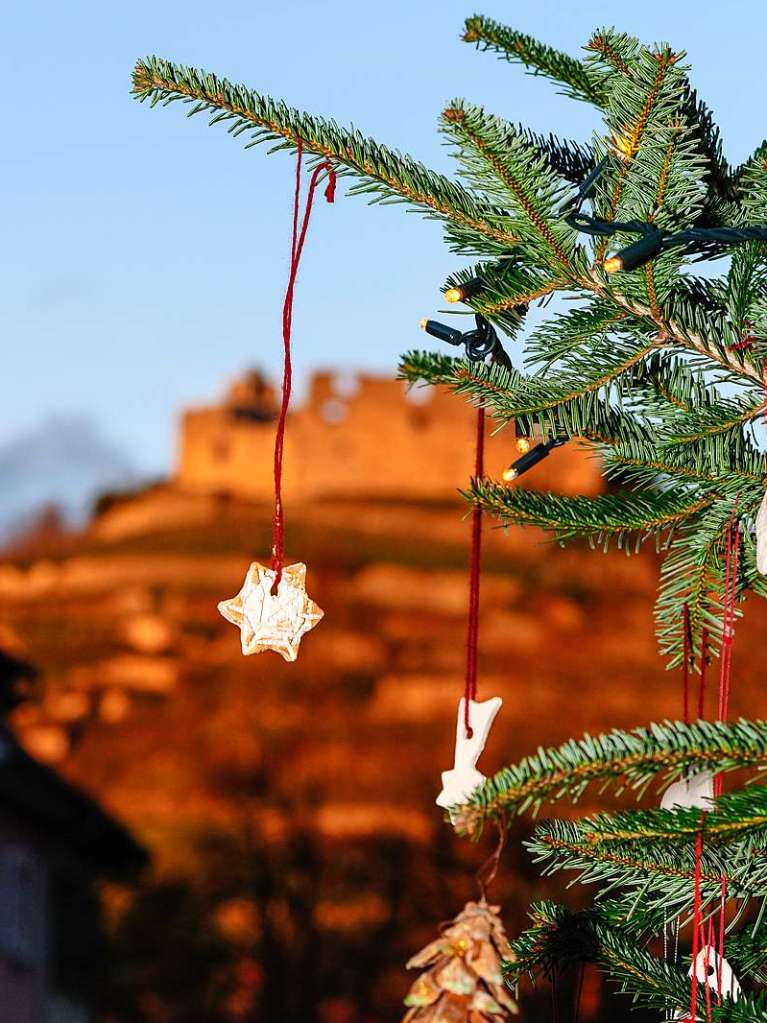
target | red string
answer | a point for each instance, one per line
(722, 903)
(703, 666)
(728, 617)
(725, 682)
(296, 249)
(743, 345)
(707, 966)
(472, 630)
(696, 921)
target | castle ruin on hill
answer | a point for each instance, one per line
(363, 436)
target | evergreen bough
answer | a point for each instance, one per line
(661, 372)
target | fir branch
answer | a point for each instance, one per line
(508, 288)
(538, 58)
(559, 936)
(662, 873)
(626, 519)
(569, 160)
(692, 577)
(708, 142)
(608, 45)
(643, 465)
(734, 815)
(560, 404)
(685, 325)
(726, 416)
(623, 758)
(630, 130)
(666, 383)
(500, 161)
(384, 173)
(746, 282)
(747, 953)
(575, 329)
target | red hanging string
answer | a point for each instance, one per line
(722, 903)
(472, 629)
(729, 599)
(728, 617)
(696, 920)
(707, 967)
(703, 666)
(296, 249)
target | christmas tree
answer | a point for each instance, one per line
(662, 372)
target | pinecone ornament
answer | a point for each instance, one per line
(462, 980)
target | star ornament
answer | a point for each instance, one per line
(272, 622)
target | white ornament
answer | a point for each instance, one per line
(459, 783)
(272, 621)
(712, 969)
(695, 791)
(761, 536)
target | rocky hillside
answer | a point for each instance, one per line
(298, 855)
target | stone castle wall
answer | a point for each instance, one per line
(367, 437)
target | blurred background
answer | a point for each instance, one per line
(186, 835)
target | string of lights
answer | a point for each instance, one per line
(480, 345)
(652, 240)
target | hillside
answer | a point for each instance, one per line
(290, 808)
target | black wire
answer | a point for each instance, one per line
(708, 238)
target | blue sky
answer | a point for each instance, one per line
(145, 255)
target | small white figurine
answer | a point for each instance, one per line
(459, 783)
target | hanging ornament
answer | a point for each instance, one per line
(697, 790)
(270, 620)
(712, 969)
(474, 718)
(272, 610)
(761, 537)
(462, 978)
(459, 783)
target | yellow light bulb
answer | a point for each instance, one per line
(523, 445)
(424, 321)
(454, 295)
(510, 474)
(625, 147)
(613, 264)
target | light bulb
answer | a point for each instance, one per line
(523, 445)
(463, 292)
(613, 264)
(624, 147)
(509, 475)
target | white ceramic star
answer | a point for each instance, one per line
(268, 622)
